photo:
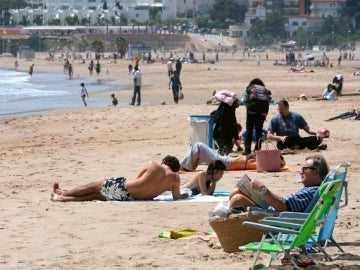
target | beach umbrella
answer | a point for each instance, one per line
(227, 96)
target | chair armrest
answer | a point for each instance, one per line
(281, 219)
(262, 210)
(269, 228)
(294, 215)
(281, 223)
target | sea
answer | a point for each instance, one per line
(22, 95)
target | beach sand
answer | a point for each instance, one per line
(74, 147)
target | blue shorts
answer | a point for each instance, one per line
(114, 189)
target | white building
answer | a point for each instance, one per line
(325, 8)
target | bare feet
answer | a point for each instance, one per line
(57, 189)
(56, 197)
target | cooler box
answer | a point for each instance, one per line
(202, 129)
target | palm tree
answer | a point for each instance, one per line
(5, 5)
(122, 45)
(98, 45)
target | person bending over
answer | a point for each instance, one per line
(152, 180)
(314, 170)
(284, 128)
(204, 182)
(202, 153)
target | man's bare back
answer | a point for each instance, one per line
(153, 180)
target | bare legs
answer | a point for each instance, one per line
(87, 192)
(237, 198)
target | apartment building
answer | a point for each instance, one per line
(325, 8)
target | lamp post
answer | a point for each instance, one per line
(348, 33)
(163, 45)
(333, 39)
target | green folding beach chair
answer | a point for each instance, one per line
(301, 229)
(324, 235)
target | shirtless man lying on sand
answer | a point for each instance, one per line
(152, 180)
(202, 153)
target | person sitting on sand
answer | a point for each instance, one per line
(329, 93)
(204, 182)
(152, 180)
(314, 170)
(284, 128)
(114, 100)
(202, 153)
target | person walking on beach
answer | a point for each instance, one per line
(151, 181)
(175, 86)
(98, 68)
(137, 86)
(83, 93)
(71, 71)
(257, 99)
(178, 66)
(169, 66)
(91, 67)
(16, 64)
(31, 69)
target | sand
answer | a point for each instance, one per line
(74, 147)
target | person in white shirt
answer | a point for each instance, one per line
(83, 93)
(137, 86)
(329, 93)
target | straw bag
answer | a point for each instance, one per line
(232, 233)
(268, 160)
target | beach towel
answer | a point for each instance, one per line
(187, 233)
(176, 234)
(218, 196)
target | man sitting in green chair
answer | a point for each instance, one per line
(312, 173)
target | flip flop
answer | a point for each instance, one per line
(302, 262)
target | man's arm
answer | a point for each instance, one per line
(307, 129)
(274, 200)
(272, 137)
(175, 190)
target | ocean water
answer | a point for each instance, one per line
(21, 94)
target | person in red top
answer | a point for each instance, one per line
(137, 61)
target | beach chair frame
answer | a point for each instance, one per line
(301, 230)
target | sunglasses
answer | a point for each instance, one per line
(307, 168)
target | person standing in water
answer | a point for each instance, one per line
(83, 93)
(31, 70)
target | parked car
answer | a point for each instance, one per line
(7, 54)
(258, 49)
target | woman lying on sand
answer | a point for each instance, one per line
(202, 153)
(204, 182)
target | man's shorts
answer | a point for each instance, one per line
(114, 189)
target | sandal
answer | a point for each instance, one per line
(302, 262)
